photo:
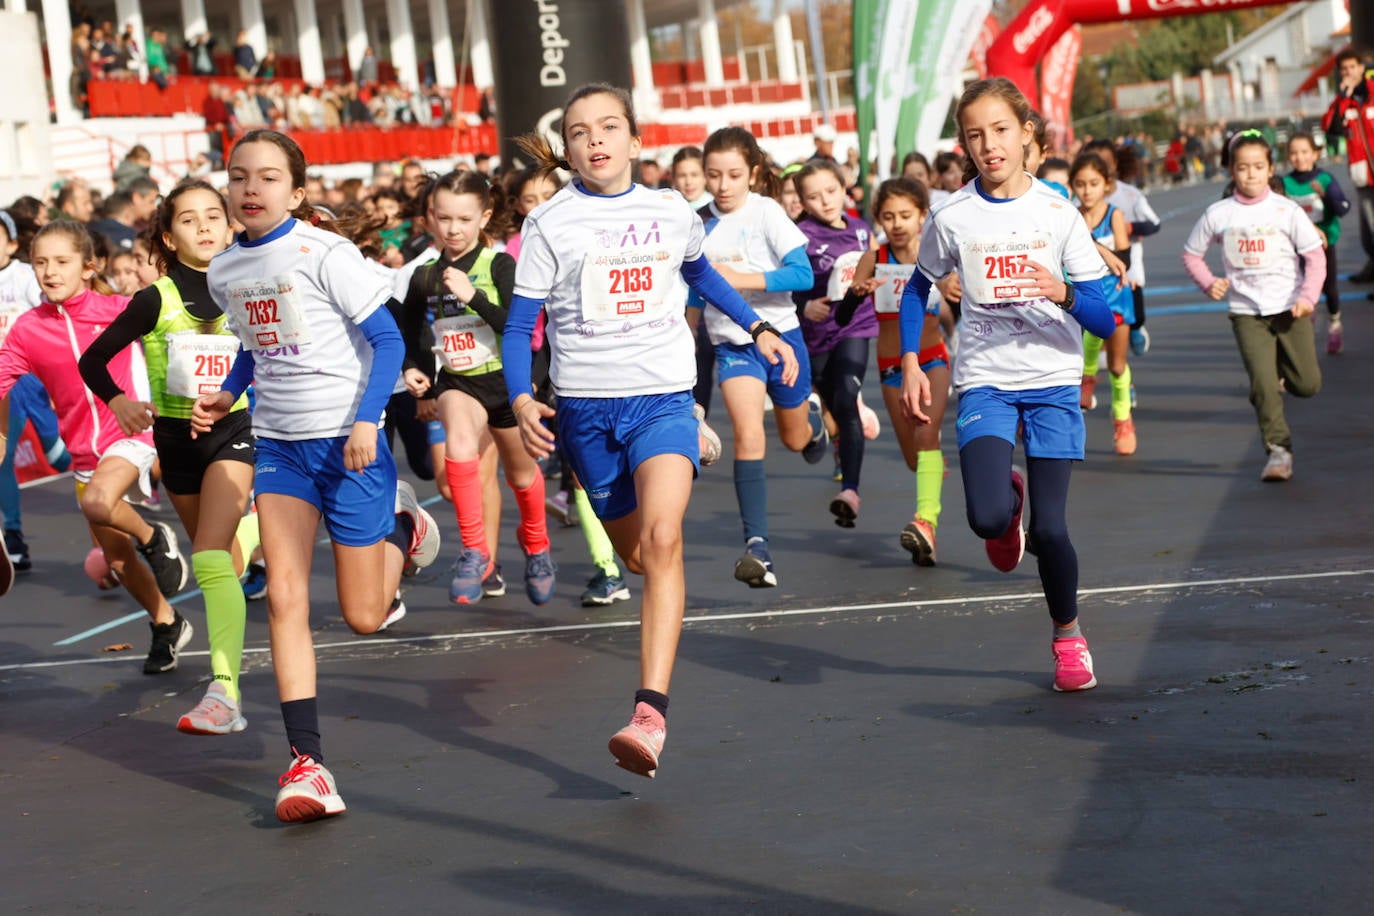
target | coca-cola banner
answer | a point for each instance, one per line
(544, 49)
(1028, 38)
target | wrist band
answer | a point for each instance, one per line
(760, 328)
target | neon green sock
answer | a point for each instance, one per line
(1092, 349)
(248, 537)
(1121, 395)
(225, 613)
(930, 479)
(598, 543)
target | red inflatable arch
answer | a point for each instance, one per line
(1029, 37)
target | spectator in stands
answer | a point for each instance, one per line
(74, 202)
(245, 58)
(332, 105)
(267, 68)
(367, 68)
(135, 164)
(218, 120)
(482, 163)
(103, 52)
(355, 112)
(824, 138)
(116, 221)
(146, 195)
(158, 68)
(247, 112)
(201, 51)
(486, 108)
(128, 56)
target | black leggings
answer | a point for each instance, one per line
(990, 500)
(1331, 288)
(414, 433)
(838, 375)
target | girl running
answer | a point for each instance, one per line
(762, 254)
(1263, 236)
(839, 355)
(189, 351)
(689, 176)
(900, 208)
(1013, 240)
(1316, 190)
(322, 350)
(48, 341)
(1091, 180)
(1143, 222)
(468, 288)
(604, 257)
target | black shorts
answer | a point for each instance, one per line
(489, 390)
(184, 459)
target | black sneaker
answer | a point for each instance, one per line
(814, 450)
(168, 640)
(165, 559)
(18, 550)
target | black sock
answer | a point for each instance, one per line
(302, 720)
(403, 532)
(658, 701)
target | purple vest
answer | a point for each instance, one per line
(823, 245)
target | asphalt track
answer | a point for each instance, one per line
(868, 737)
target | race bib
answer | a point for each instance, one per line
(989, 266)
(625, 285)
(464, 342)
(9, 314)
(198, 363)
(1251, 247)
(842, 275)
(887, 298)
(269, 313)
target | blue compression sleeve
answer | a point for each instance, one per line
(1090, 308)
(388, 353)
(794, 274)
(241, 375)
(702, 278)
(911, 312)
(516, 357)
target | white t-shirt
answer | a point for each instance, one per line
(1260, 245)
(1007, 341)
(295, 298)
(19, 292)
(608, 269)
(752, 239)
(1131, 201)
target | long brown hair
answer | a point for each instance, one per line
(161, 254)
(81, 240)
(537, 146)
(999, 87)
(296, 166)
(739, 140)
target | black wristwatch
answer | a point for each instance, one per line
(760, 328)
(1068, 298)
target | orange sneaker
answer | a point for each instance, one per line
(918, 537)
(1123, 438)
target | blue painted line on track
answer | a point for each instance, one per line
(184, 596)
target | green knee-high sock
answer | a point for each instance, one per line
(248, 537)
(1092, 350)
(598, 543)
(1121, 395)
(225, 612)
(930, 478)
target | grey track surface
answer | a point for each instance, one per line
(898, 751)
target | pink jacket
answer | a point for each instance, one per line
(48, 341)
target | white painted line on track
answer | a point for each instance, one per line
(745, 615)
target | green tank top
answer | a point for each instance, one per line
(465, 330)
(196, 360)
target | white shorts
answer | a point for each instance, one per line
(135, 451)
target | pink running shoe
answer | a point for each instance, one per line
(845, 508)
(636, 746)
(308, 792)
(216, 714)
(1073, 665)
(869, 419)
(1005, 552)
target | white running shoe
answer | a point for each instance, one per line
(709, 441)
(215, 714)
(424, 539)
(308, 792)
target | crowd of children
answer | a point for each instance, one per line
(474, 317)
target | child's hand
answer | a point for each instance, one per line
(537, 438)
(950, 287)
(427, 411)
(1219, 288)
(361, 448)
(865, 287)
(817, 310)
(133, 416)
(1036, 281)
(1115, 265)
(208, 409)
(915, 389)
(458, 283)
(1302, 309)
(774, 349)
(417, 383)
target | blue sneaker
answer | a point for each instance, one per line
(755, 567)
(605, 589)
(814, 450)
(255, 582)
(468, 573)
(1140, 341)
(539, 580)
